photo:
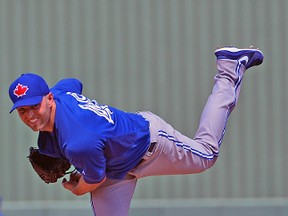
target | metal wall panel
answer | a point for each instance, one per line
(153, 55)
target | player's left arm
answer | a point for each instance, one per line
(78, 186)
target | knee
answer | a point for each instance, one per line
(206, 164)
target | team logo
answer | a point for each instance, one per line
(92, 105)
(20, 90)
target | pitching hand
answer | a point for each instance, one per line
(73, 181)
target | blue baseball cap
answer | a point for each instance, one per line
(27, 90)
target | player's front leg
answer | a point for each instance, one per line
(113, 197)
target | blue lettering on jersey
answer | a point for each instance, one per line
(92, 105)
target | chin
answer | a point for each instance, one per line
(35, 129)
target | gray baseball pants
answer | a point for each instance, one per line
(175, 153)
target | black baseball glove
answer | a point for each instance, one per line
(48, 168)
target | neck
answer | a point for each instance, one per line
(50, 124)
(52, 118)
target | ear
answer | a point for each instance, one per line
(50, 98)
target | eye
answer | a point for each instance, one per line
(21, 110)
(35, 106)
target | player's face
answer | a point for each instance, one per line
(38, 117)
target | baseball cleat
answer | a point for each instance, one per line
(248, 57)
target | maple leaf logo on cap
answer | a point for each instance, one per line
(20, 90)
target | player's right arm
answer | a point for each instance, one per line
(90, 161)
(78, 186)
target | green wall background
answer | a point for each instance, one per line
(153, 55)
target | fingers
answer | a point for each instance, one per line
(75, 177)
(73, 181)
(69, 185)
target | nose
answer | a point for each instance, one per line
(29, 113)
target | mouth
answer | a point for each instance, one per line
(33, 122)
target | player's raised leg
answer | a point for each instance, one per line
(179, 154)
(231, 63)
